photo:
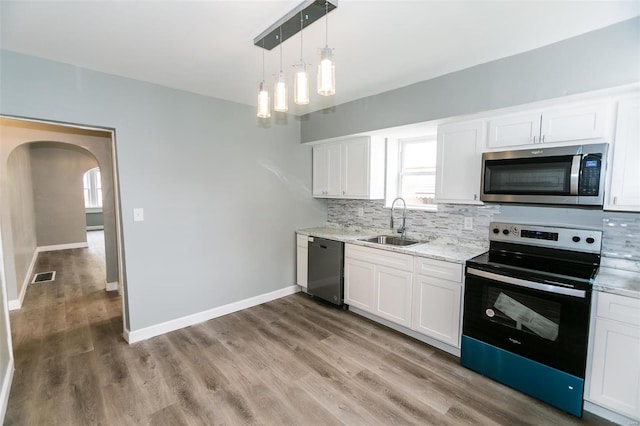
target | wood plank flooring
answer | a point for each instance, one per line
(292, 361)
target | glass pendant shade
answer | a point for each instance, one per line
(326, 73)
(263, 102)
(301, 85)
(280, 102)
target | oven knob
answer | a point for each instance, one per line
(591, 240)
(576, 239)
(496, 231)
(505, 231)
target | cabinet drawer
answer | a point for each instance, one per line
(439, 269)
(301, 240)
(619, 308)
(379, 257)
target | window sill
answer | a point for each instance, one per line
(426, 208)
(93, 210)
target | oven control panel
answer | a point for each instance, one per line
(584, 240)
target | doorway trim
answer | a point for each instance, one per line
(117, 209)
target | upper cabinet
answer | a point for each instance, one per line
(624, 193)
(353, 168)
(459, 161)
(553, 125)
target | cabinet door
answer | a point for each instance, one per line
(625, 174)
(326, 170)
(583, 122)
(359, 284)
(393, 295)
(615, 373)
(302, 254)
(459, 162)
(436, 308)
(355, 170)
(514, 130)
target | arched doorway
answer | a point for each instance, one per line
(100, 144)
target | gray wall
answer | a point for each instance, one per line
(57, 171)
(600, 59)
(21, 205)
(222, 194)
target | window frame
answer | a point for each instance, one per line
(94, 195)
(400, 173)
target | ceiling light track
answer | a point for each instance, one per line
(290, 25)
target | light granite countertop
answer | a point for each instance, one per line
(618, 281)
(447, 249)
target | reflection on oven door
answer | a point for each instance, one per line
(526, 316)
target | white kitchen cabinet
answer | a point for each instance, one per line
(302, 260)
(552, 125)
(353, 168)
(615, 365)
(437, 300)
(327, 170)
(459, 161)
(624, 193)
(379, 282)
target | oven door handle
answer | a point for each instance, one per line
(528, 284)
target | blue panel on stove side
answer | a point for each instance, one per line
(552, 386)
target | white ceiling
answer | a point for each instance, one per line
(207, 47)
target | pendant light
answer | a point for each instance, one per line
(327, 67)
(264, 106)
(301, 80)
(280, 103)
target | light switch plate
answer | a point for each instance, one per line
(138, 214)
(468, 223)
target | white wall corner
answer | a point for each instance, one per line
(6, 388)
(186, 321)
(63, 247)
(112, 286)
(16, 304)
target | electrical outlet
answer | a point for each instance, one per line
(360, 211)
(468, 223)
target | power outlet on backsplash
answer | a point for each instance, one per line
(468, 224)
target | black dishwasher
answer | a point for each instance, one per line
(325, 278)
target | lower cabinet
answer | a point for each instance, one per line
(379, 282)
(419, 293)
(437, 300)
(615, 367)
(302, 261)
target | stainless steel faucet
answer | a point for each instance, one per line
(403, 229)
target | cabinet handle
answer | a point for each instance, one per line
(534, 139)
(475, 197)
(615, 200)
(542, 139)
(344, 192)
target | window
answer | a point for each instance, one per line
(92, 189)
(417, 171)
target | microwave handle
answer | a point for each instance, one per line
(576, 162)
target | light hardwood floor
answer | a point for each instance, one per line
(290, 361)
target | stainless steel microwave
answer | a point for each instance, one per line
(569, 175)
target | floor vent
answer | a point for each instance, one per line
(43, 277)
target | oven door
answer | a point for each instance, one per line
(541, 322)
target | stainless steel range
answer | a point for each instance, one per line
(526, 310)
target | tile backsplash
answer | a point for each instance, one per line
(448, 221)
(620, 239)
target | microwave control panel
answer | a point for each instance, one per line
(591, 167)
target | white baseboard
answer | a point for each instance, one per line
(17, 303)
(418, 336)
(6, 388)
(608, 414)
(62, 247)
(113, 286)
(178, 323)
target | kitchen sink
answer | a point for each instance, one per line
(390, 240)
